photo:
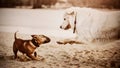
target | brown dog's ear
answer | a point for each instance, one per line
(42, 35)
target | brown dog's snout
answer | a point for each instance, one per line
(47, 40)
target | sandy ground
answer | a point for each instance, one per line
(52, 55)
(61, 56)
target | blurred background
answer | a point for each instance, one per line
(33, 4)
(43, 16)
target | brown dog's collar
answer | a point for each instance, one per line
(35, 44)
(30, 42)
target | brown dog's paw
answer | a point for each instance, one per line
(41, 58)
(23, 58)
(35, 54)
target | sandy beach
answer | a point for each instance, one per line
(52, 55)
(61, 56)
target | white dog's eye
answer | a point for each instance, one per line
(64, 18)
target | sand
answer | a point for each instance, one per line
(55, 55)
(52, 55)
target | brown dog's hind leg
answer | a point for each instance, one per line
(15, 50)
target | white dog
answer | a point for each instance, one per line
(92, 25)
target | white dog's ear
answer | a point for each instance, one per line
(70, 12)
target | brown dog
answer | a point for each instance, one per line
(28, 46)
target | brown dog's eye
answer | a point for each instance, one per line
(36, 41)
(35, 37)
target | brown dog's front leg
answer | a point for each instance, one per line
(35, 54)
(32, 57)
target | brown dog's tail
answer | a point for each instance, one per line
(15, 35)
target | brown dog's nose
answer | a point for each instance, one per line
(48, 40)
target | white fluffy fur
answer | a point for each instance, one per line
(95, 25)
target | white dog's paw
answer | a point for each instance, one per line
(68, 41)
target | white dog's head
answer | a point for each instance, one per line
(70, 19)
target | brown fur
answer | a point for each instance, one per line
(28, 46)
